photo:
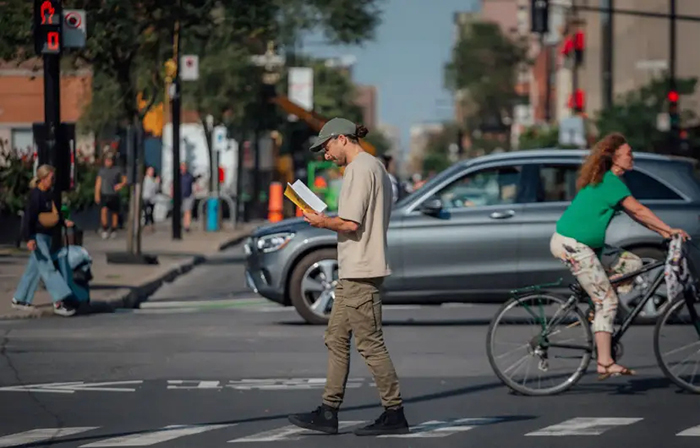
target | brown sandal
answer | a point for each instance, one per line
(608, 374)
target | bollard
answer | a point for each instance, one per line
(275, 202)
(212, 214)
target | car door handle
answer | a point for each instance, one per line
(503, 215)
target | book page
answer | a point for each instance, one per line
(304, 198)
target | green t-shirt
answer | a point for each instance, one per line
(589, 214)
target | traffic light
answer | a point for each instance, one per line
(48, 32)
(539, 16)
(673, 113)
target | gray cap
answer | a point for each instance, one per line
(333, 128)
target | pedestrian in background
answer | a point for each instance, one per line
(41, 221)
(110, 180)
(150, 190)
(187, 181)
(364, 209)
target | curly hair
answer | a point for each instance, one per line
(600, 160)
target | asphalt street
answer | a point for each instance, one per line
(184, 376)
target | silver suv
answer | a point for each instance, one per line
(474, 232)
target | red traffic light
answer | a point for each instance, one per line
(673, 96)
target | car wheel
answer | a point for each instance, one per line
(312, 285)
(659, 301)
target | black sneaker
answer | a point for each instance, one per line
(392, 421)
(324, 419)
(16, 304)
(61, 309)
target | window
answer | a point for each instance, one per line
(646, 187)
(558, 183)
(488, 187)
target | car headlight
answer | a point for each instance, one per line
(271, 243)
(248, 246)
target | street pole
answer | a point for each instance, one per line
(52, 118)
(177, 199)
(548, 80)
(608, 55)
(674, 134)
(574, 74)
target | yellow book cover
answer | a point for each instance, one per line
(304, 198)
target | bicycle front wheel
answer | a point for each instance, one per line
(547, 339)
(677, 344)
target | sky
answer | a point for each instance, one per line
(405, 61)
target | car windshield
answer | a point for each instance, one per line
(435, 180)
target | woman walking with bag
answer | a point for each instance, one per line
(41, 220)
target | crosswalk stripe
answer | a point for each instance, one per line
(152, 437)
(583, 426)
(437, 428)
(692, 432)
(286, 433)
(40, 435)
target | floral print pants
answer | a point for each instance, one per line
(592, 274)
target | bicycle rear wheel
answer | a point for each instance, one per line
(546, 328)
(677, 344)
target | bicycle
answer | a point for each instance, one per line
(540, 346)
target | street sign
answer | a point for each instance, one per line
(301, 88)
(47, 27)
(74, 28)
(572, 131)
(663, 122)
(189, 67)
(220, 142)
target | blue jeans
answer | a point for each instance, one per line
(41, 266)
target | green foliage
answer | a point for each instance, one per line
(634, 114)
(15, 175)
(536, 137)
(485, 63)
(83, 195)
(377, 139)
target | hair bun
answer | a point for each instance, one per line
(361, 131)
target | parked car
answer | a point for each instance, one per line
(474, 232)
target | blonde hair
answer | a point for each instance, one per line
(41, 173)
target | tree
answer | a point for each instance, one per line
(484, 65)
(635, 114)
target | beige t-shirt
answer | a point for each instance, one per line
(366, 198)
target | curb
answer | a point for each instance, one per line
(133, 297)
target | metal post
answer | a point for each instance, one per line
(574, 74)
(52, 118)
(177, 199)
(674, 134)
(548, 78)
(607, 46)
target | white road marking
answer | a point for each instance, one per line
(287, 433)
(191, 384)
(69, 388)
(690, 432)
(437, 428)
(242, 301)
(40, 435)
(152, 437)
(583, 426)
(287, 383)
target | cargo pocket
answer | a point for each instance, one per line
(364, 313)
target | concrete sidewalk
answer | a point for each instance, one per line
(122, 285)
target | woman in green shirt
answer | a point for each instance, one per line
(579, 240)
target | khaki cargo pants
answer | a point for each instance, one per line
(357, 310)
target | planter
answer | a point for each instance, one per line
(10, 229)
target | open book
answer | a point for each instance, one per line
(304, 198)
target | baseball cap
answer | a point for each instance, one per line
(333, 128)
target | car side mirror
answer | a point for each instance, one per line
(432, 207)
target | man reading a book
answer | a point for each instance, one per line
(364, 209)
